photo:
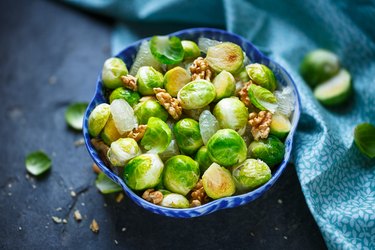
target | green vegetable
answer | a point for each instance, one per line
(203, 159)
(143, 172)
(188, 136)
(113, 69)
(224, 84)
(167, 50)
(262, 98)
(157, 136)
(251, 174)
(364, 138)
(174, 201)
(122, 150)
(106, 185)
(218, 182)
(181, 174)
(208, 125)
(148, 78)
(149, 108)
(319, 66)
(37, 163)
(270, 150)
(191, 49)
(196, 94)
(97, 119)
(280, 126)
(335, 90)
(132, 97)
(225, 56)
(109, 133)
(231, 113)
(144, 57)
(175, 79)
(74, 115)
(261, 75)
(227, 148)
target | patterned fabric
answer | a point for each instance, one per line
(337, 180)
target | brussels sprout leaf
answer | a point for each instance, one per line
(106, 185)
(167, 50)
(74, 115)
(37, 163)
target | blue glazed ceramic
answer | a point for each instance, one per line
(128, 55)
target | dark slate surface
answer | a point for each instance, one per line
(49, 57)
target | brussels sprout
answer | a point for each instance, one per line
(218, 182)
(157, 136)
(196, 94)
(171, 150)
(132, 97)
(203, 159)
(231, 113)
(175, 79)
(144, 57)
(191, 49)
(318, 66)
(208, 125)
(227, 148)
(270, 150)
(174, 201)
(109, 133)
(195, 113)
(188, 136)
(123, 116)
(280, 126)
(250, 174)
(225, 56)
(261, 75)
(122, 150)
(167, 50)
(181, 174)
(224, 84)
(143, 171)
(113, 69)
(149, 108)
(98, 118)
(242, 76)
(262, 98)
(147, 79)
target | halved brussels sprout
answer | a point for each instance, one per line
(280, 126)
(175, 79)
(167, 50)
(225, 56)
(191, 49)
(98, 118)
(174, 201)
(109, 133)
(122, 150)
(208, 125)
(218, 182)
(251, 174)
(181, 174)
(112, 71)
(224, 84)
(143, 171)
(196, 94)
(157, 136)
(203, 159)
(262, 98)
(231, 113)
(227, 148)
(262, 75)
(188, 136)
(147, 79)
(123, 116)
(132, 97)
(149, 108)
(270, 150)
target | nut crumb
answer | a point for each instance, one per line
(130, 82)
(73, 194)
(243, 94)
(9, 185)
(105, 205)
(252, 234)
(77, 215)
(58, 209)
(119, 197)
(276, 229)
(94, 226)
(200, 70)
(57, 220)
(64, 221)
(79, 142)
(152, 196)
(285, 237)
(260, 124)
(172, 105)
(102, 149)
(82, 204)
(123, 229)
(19, 228)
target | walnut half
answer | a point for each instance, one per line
(129, 82)
(152, 196)
(200, 70)
(172, 105)
(260, 124)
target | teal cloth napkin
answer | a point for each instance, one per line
(337, 180)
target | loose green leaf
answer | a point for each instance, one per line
(364, 138)
(74, 115)
(37, 163)
(106, 185)
(167, 50)
(262, 98)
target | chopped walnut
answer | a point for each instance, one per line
(200, 69)
(137, 133)
(172, 105)
(243, 94)
(198, 195)
(260, 124)
(129, 82)
(94, 226)
(152, 196)
(102, 149)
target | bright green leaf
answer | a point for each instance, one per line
(106, 185)
(37, 163)
(364, 138)
(74, 115)
(167, 50)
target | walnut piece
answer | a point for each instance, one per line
(244, 95)
(152, 196)
(260, 124)
(198, 195)
(200, 70)
(94, 226)
(137, 133)
(172, 105)
(102, 149)
(129, 82)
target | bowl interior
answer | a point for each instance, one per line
(284, 79)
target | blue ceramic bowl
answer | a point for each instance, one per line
(255, 55)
